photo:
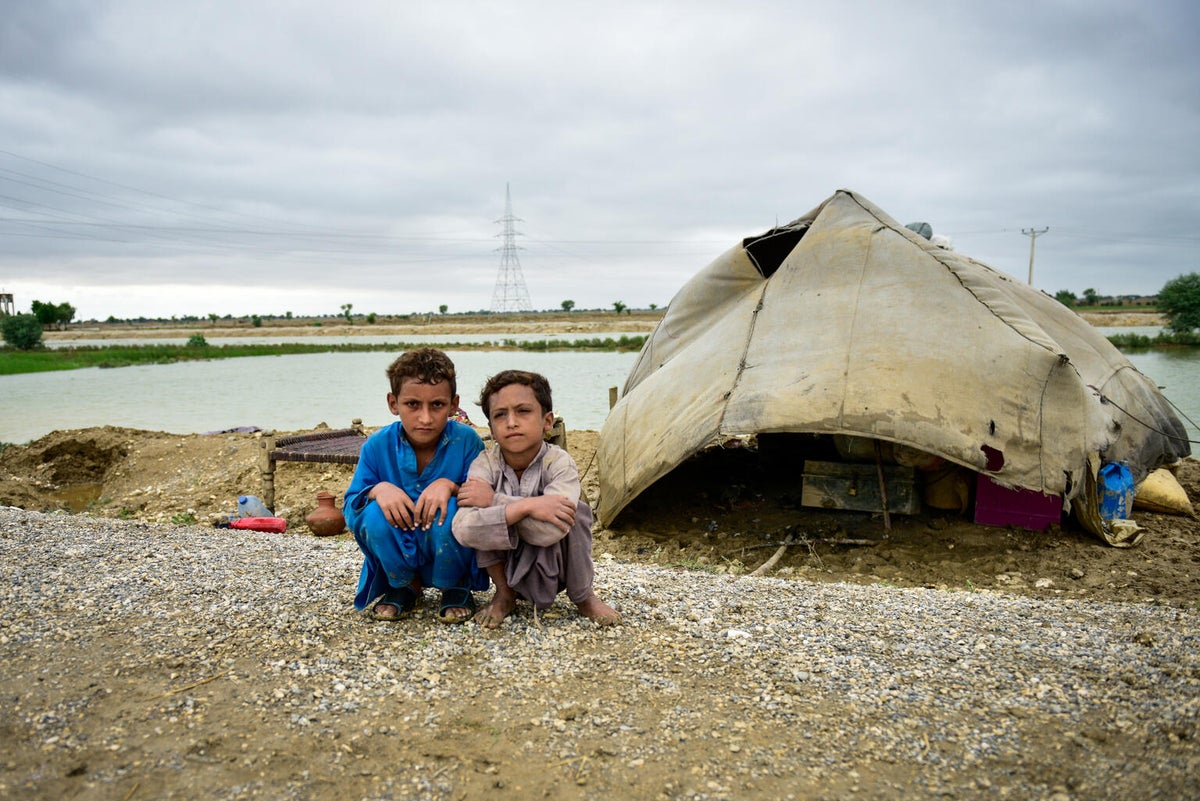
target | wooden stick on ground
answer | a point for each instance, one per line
(770, 563)
(887, 520)
(814, 541)
(192, 686)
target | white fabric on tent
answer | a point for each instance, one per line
(846, 322)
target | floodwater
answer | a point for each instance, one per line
(1177, 373)
(284, 393)
(297, 392)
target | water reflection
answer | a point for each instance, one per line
(1177, 374)
(280, 392)
(299, 391)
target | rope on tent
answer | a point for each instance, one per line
(1181, 414)
(1105, 399)
(742, 361)
(582, 492)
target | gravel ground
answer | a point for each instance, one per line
(155, 661)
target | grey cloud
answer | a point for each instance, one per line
(224, 142)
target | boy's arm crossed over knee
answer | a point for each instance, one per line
(556, 510)
(491, 520)
(545, 518)
(480, 523)
(537, 519)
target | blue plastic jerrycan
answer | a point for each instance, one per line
(251, 506)
(1114, 483)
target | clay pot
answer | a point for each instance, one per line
(326, 520)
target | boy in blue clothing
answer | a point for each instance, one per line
(402, 497)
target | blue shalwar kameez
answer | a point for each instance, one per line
(393, 556)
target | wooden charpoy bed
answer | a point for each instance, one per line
(336, 447)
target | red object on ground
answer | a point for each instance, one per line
(274, 524)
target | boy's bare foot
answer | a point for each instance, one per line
(599, 612)
(500, 607)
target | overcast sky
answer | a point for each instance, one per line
(238, 157)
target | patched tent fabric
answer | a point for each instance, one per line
(846, 322)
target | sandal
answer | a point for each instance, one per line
(403, 598)
(456, 598)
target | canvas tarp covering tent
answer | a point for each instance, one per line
(846, 322)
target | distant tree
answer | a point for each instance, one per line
(371, 318)
(213, 317)
(653, 306)
(256, 321)
(346, 307)
(567, 305)
(288, 315)
(46, 313)
(1090, 297)
(22, 331)
(443, 308)
(53, 314)
(1066, 297)
(1179, 300)
(197, 341)
(619, 307)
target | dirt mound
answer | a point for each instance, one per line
(150, 475)
(45, 473)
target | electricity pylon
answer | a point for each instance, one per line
(510, 293)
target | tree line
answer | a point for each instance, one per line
(24, 331)
(1178, 301)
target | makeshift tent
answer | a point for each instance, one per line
(846, 322)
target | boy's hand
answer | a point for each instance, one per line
(476, 492)
(555, 509)
(397, 507)
(434, 500)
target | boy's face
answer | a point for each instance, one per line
(423, 410)
(518, 423)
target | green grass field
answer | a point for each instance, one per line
(14, 361)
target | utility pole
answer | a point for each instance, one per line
(1033, 234)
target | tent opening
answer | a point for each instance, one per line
(753, 488)
(767, 251)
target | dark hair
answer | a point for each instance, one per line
(535, 381)
(426, 365)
